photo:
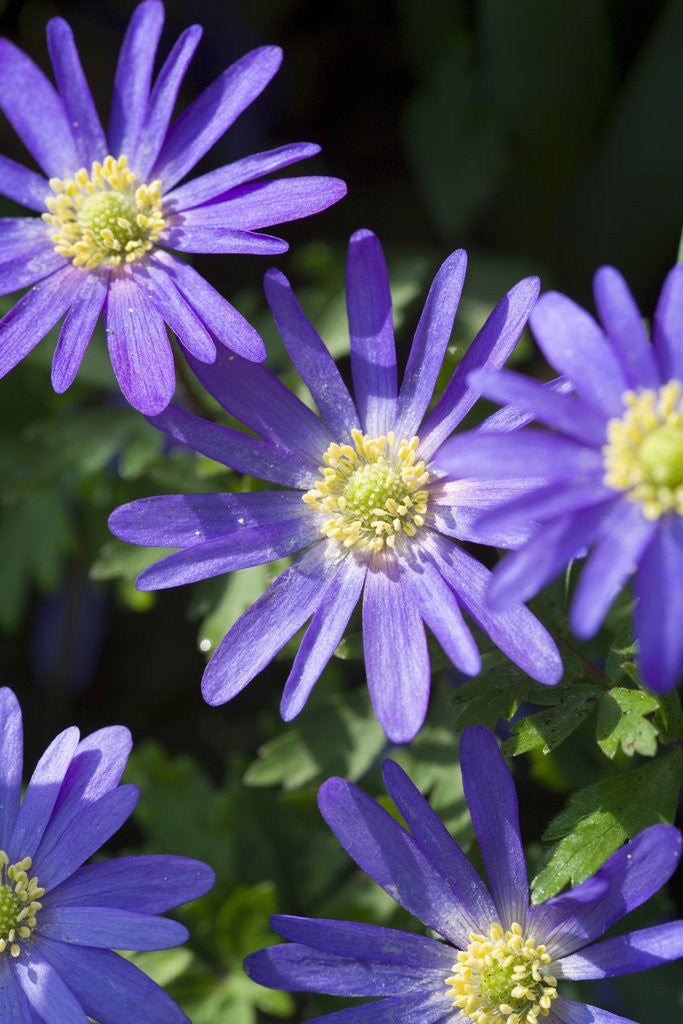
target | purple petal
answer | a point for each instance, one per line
(417, 1009)
(528, 453)
(564, 412)
(11, 761)
(33, 264)
(544, 503)
(187, 237)
(267, 625)
(14, 1006)
(632, 874)
(96, 767)
(45, 990)
(429, 344)
(511, 417)
(516, 631)
(19, 235)
(216, 183)
(24, 186)
(323, 635)
(133, 77)
(183, 520)
(626, 332)
(491, 347)
(149, 883)
(431, 835)
(225, 323)
(390, 856)
(624, 536)
(659, 608)
(373, 355)
(566, 1011)
(35, 314)
(40, 796)
(244, 547)
(84, 121)
(262, 204)
(311, 358)
(438, 607)
(162, 101)
(139, 348)
(212, 113)
(110, 928)
(456, 507)
(176, 311)
(575, 346)
(91, 828)
(237, 450)
(110, 989)
(395, 647)
(492, 800)
(667, 326)
(36, 112)
(627, 953)
(77, 331)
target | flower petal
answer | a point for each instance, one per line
(323, 634)
(134, 76)
(576, 347)
(491, 347)
(24, 186)
(31, 265)
(45, 990)
(14, 1005)
(492, 800)
(35, 314)
(659, 608)
(267, 625)
(96, 767)
(30, 103)
(624, 954)
(149, 883)
(371, 328)
(566, 1011)
(11, 761)
(187, 237)
(87, 131)
(139, 348)
(528, 453)
(176, 311)
(311, 357)
(77, 330)
(110, 928)
(395, 646)
(212, 113)
(214, 185)
(625, 329)
(667, 326)
(624, 536)
(429, 344)
(264, 203)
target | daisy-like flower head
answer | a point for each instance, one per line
(502, 961)
(610, 476)
(364, 498)
(111, 207)
(61, 920)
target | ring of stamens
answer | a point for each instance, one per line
(644, 451)
(502, 978)
(19, 903)
(372, 491)
(103, 217)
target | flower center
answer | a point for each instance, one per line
(19, 903)
(103, 217)
(644, 450)
(374, 491)
(502, 978)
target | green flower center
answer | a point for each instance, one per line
(104, 217)
(502, 979)
(644, 451)
(372, 492)
(19, 903)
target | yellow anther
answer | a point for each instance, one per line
(18, 903)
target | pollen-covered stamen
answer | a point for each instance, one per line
(104, 217)
(373, 491)
(644, 451)
(502, 978)
(19, 903)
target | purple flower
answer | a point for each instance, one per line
(58, 919)
(363, 498)
(502, 959)
(112, 207)
(610, 477)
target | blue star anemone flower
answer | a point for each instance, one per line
(61, 919)
(609, 475)
(111, 207)
(363, 497)
(502, 961)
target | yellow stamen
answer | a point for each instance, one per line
(19, 903)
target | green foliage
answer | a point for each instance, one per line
(622, 722)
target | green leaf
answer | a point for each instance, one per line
(621, 654)
(622, 722)
(669, 717)
(601, 817)
(496, 693)
(547, 729)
